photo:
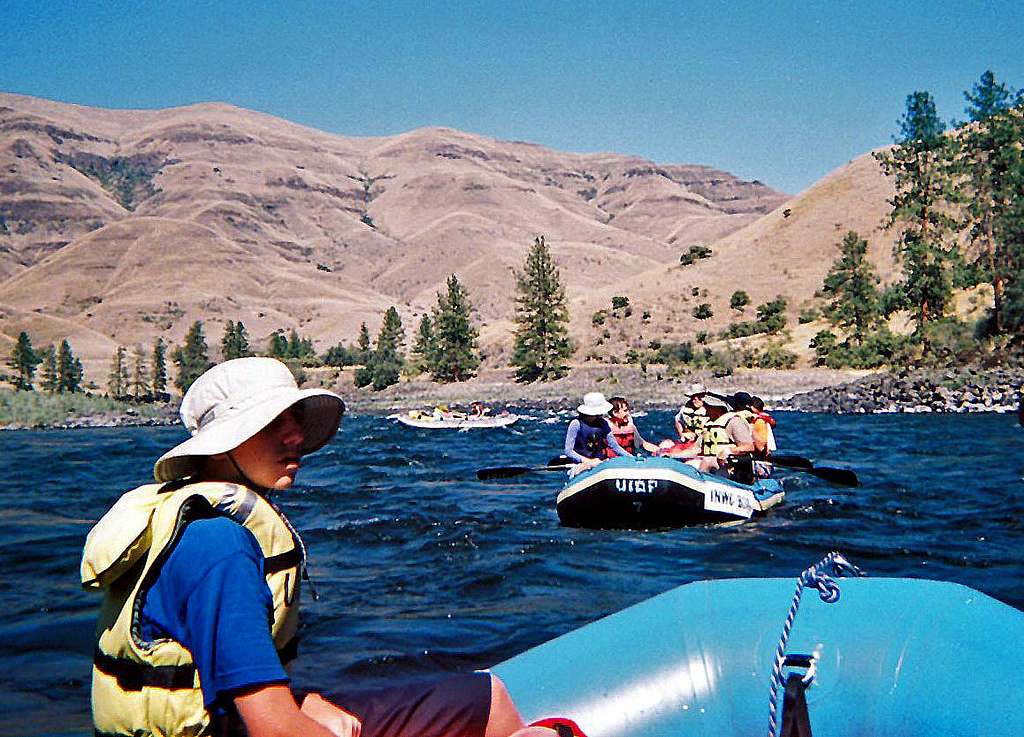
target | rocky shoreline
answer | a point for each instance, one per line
(962, 389)
(649, 389)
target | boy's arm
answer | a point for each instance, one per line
(271, 711)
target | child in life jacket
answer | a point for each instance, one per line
(621, 421)
(204, 565)
(761, 424)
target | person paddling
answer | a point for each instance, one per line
(726, 433)
(623, 428)
(589, 434)
(201, 573)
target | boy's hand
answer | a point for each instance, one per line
(334, 718)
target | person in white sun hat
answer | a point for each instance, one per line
(589, 434)
(200, 574)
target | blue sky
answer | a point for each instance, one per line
(781, 92)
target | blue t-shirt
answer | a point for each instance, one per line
(212, 597)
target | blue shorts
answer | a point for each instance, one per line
(450, 706)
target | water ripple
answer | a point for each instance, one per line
(421, 567)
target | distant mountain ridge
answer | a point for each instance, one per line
(120, 225)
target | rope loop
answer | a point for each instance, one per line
(819, 576)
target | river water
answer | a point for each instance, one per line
(422, 568)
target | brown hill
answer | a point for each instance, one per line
(786, 252)
(117, 225)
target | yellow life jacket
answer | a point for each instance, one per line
(152, 688)
(715, 437)
(694, 419)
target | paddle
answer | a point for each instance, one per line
(839, 476)
(791, 461)
(558, 463)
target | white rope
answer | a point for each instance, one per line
(818, 577)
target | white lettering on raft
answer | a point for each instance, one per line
(636, 486)
(723, 500)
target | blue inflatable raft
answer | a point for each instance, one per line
(894, 658)
(638, 493)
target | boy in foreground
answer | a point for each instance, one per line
(200, 575)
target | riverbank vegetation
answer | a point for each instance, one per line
(958, 213)
(28, 409)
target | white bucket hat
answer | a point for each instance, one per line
(594, 403)
(236, 399)
(710, 400)
(696, 388)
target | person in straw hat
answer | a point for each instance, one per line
(200, 574)
(589, 435)
(691, 416)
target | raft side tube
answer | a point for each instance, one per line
(905, 657)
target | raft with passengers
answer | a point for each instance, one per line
(651, 493)
(718, 471)
(442, 418)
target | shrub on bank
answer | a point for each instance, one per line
(39, 409)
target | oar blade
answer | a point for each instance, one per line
(791, 461)
(838, 476)
(560, 461)
(502, 472)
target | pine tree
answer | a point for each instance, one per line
(140, 375)
(340, 355)
(227, 341)
(191, 358)
(50, 379)
(363, 343)
(242, 347)
(920, 166)
(455, 353)
(23, 362)
(158, 387)
(851, 287)
(386, 361)
(542, 339)
(235, 341)
(985, 168)
(388, 357)
(299, 348)
(1008, 226)
(69, 370)
(294, 349)
(75, 376)
(424, 347)
(117, 379)
(277, 346)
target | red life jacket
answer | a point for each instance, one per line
(625, 436)
(766, 417)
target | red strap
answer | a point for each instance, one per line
(562, 725)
